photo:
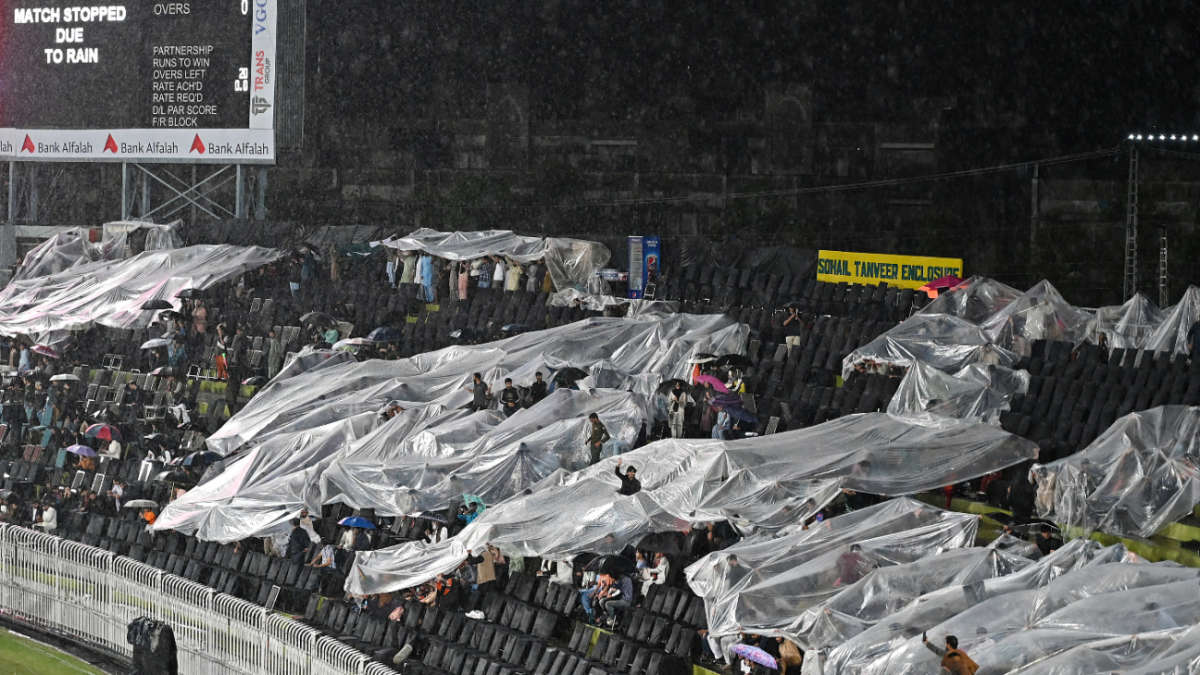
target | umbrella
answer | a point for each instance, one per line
(140, 504)
(44, 351)
(385, 334)
(157, 303)
(714, 381)
(755, 654)
(931, 289)
(105, 432)
(256, 381)
(669, 543)
(666, 387)
(614, 565)
(317, 318)
(201, 457)
(740, 414)
(155, 343)
(5, 494)
(81, 450)
(65, 377)
(190, 293)
(169, 314)
(568, 375)
(702, 358)
(357, 521)
(352, 344)
(162, 370)
(154, 436)
(734, 361)
(176, 476)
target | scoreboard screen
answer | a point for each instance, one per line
(186, 81)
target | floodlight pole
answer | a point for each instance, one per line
(1131, 225)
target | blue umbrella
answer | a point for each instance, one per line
(740, 414)
(357, 521)
(201, 457)
(385, 334)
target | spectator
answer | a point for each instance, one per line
(851, 566)
(274, 354)
(537, 390)
(177, 355)
(617, 599)
(498, 274)
(463, 279)
(324, 558)
(48, 519)
(594, 593)
(148, 516)
(512, 282)
(221, 355)
(485, 569)
(297, 543)
(954, 661)
(630, 485)
(510, 398)
(656, 575)
(598, 437)
(483, 272)
(678, 403)
(25, 362)
(480, 393)
(790, 656)
(1046, 542)
(1193, 340)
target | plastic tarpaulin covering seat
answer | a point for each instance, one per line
(760, 483)
(111, 293)
(435, 450)
(976, 299)
(947, 343)
(570, 262)
(1040, 313)
(764, 585)
(1140, 475)
(1171, 334)
(977, 391)
(1126, 326)
(1079, 594)
(73, 247)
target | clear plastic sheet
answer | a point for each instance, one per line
(762, 484)
(72, 248)
(111, 293)
(947, 343)
(435, 450)
(1127, 326)
(993, 609)
(1140, 475)
(597, 303)
(571, 263)
(1171, 334)
(976, 299)
(888, 589)
(1006, 631)
(1040, 313)
(765, 585)
(978, 391)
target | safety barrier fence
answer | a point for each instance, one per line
(88, 595)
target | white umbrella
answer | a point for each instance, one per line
(155, 343)
(65, 377)
(140, 504)
(353, 343)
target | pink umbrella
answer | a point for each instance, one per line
(714, 381)
(931, 289)
(44, 350)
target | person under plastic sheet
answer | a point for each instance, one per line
(630, 485)
(954, 661)
(510, 398)
(538, 390)
(678, 404)
(481, 394)
(597, 437)
(851, 566)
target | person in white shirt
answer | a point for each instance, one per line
(113, 449)
(346, 541)
(513, 280)
(656, 575)
(498, 274)
(324, 558)
(117, 491)
(306, 524)
(49, 521)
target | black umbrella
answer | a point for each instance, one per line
(190, 293)
(157, 303)
(385, 334)
(666, 387)
(668, 543)
(567, 376)
(317, 318)
(614, 565)
(733, 361)
(201, 458)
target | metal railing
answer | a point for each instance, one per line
(88, 595)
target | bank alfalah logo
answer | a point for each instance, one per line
(259, 105)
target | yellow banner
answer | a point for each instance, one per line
(901, 271)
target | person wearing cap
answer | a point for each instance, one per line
(630, 485)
